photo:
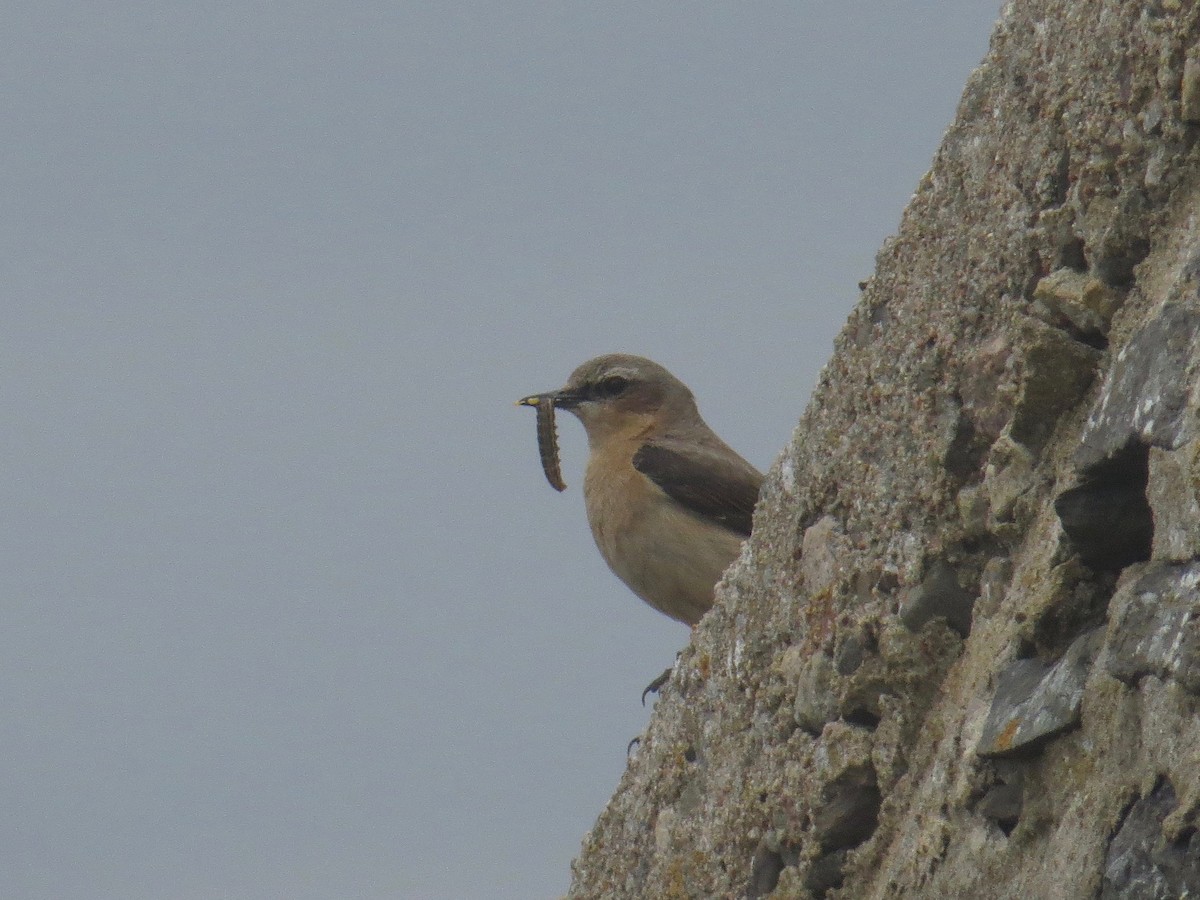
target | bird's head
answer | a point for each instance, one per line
(620, 394)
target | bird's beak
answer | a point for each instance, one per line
(562, 399)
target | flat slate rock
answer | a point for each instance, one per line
(1036, 700)
(1145, 394)
(1156, 627)
(1141, 864)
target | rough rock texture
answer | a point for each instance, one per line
(960, 655)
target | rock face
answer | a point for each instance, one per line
(960, 655)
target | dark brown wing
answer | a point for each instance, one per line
(705, 481)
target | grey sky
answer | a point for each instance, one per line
(292, 612)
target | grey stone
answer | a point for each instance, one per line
(1058, 371)
(1141, 864)
(988, 386)
(1156, 627)
(850, 655)
(1002, 804)
(824, 554)
(1115, 235)
(1034, 700)
(849, 809)
(1145, 394)
(973, 510)
(1077, 301)
(1189, 101)
(993, 583)
(765, 869)
(826, 873)
(816, 703)
(1173, 492)
(938, 595)
(1070, 600)
(1008, 477)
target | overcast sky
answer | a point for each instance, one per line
(291, 612)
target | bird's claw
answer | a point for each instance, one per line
(654, 686)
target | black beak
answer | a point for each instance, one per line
(563, 399)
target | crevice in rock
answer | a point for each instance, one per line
(826, 873)
(1116, 262)
(1077, 599)
(1093, 339)
(1107, 517)
(863, 718)
(967, 449)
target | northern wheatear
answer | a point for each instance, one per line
(669, 502)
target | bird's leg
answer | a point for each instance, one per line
(654, 686)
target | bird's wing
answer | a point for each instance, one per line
(710, 484)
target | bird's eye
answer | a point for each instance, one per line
(612, 386)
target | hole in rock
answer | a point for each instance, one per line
(1107, 517)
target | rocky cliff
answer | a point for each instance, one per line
(960, 655)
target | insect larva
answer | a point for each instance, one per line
(547, 437)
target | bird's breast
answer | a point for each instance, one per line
(668, 556)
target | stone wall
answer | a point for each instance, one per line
(960, 655)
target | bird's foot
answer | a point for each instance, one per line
(654, 686)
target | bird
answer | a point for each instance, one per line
(668, 502)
